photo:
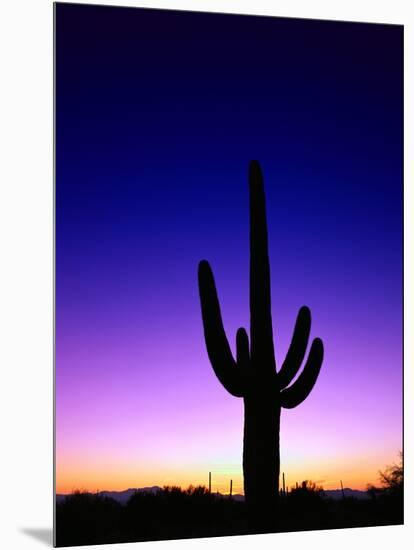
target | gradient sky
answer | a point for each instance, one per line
(157, 116)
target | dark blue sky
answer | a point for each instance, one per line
(182, 101)
(157, 116)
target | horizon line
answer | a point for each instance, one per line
(97, 491)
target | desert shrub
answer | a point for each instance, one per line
(85, 518)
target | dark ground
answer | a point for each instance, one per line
(172, 513)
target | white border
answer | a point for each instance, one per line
(26, 273)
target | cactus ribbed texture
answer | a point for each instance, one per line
(252, 375)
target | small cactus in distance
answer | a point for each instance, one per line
(252, 375)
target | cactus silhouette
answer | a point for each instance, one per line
(253, 375)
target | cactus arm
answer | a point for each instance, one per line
(261, 334)
(297, 348)
(218, 348)
(299, 391)
(242, 347)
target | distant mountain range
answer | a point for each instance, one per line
(123, 496)
(120, 496)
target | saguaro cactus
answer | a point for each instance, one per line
(252, 375)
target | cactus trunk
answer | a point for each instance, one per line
(261, 462)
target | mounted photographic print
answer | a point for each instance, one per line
(229, 296)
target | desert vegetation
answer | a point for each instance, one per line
(175, 513)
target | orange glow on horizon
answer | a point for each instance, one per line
(100, 477)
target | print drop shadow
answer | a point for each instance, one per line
(43, 535)
(252, 375)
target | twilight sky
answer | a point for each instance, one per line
(158, 114)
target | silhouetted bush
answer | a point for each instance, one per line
(388, 499)
(84, 518)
